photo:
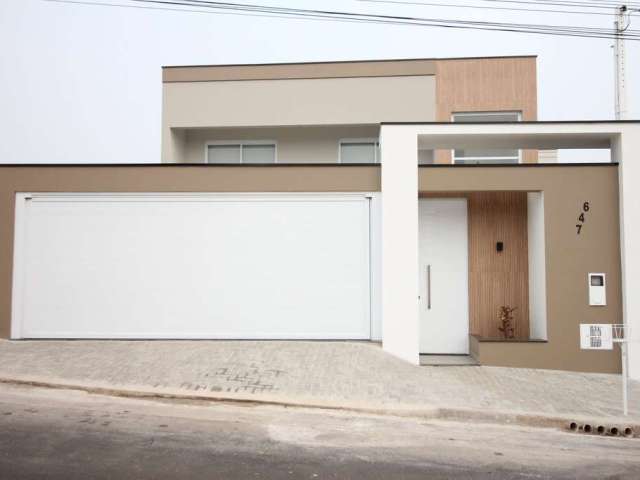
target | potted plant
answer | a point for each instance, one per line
(505, 317)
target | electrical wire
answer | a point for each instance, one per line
(481, 7)
(375, 17)
(341, 14)
(327, 15)
(601, 4)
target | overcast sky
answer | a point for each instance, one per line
(82, 83)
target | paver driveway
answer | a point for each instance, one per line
(354, 373)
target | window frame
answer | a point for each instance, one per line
(478, 160)
(241, 143)
(375, 141)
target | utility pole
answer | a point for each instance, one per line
(621, 23)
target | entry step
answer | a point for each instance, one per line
(447, 360)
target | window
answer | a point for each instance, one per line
(486, 155)
(359, 150)
(241, 152)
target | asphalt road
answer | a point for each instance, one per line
(56, 434)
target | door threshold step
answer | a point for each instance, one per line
(447, 360)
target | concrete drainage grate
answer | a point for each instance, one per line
(611, 431)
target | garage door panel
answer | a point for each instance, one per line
(278, 266)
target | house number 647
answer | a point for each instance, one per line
(581, 217)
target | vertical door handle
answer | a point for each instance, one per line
(428, 287)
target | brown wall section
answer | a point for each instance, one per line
(569, 256)
(283, 71)
(160, 178)
(486, 85)
(498, 278)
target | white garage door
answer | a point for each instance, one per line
(192, 266)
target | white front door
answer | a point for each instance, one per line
(443, 276)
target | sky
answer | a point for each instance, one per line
(82, 83)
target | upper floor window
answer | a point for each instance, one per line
(359, 150)
(262, 151)
(486, 155)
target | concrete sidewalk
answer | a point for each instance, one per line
(349, 375)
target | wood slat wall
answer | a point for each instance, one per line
(498, 278)
(486, 85)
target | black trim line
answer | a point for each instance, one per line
(516, 165)
(276, 165)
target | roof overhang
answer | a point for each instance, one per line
(315, 70)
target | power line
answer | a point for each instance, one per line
(377, 18)
(601, 4)
(286, 12)
(480, 7)
(364, 17)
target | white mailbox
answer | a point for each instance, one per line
(597, 289)
(596, 336)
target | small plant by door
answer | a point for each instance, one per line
(505, 317)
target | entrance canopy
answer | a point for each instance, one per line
(533, 135)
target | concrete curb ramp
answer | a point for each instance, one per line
(527, 419)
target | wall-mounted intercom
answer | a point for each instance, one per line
(597, 289)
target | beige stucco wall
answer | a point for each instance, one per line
(294, 144)
(322, 101)
(290, 102)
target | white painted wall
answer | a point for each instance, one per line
(375, 250)
(399, 170)
(626, 151)
(537, 266)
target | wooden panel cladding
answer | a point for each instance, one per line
(486, 85)
(498, 278)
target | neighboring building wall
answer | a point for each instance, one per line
(486, 85)
(161, 178)
(569, 256)
(294, 144)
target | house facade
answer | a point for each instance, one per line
(405, 202)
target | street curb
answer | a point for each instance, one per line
(435, 413)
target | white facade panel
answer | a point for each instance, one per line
(537, 266)
(399, 179)
(192, 266)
